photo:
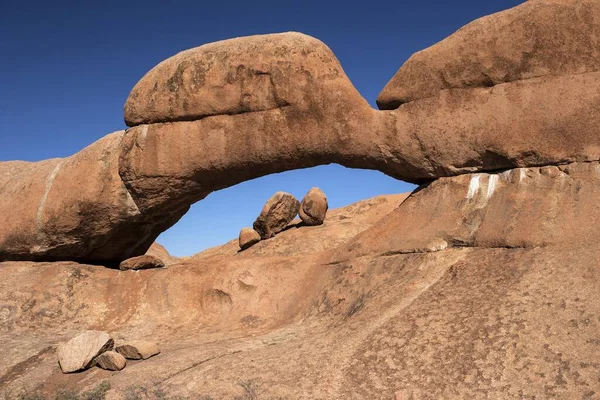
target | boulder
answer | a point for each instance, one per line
(79, 353)
(534, 39)
(276, 214)
(313, 207)
(138, 349)
(248, 237)
(111, 361)
(141, 262)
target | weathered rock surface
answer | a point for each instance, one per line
(157, 250)
(141, 262)
(460, 322)
(227, 112)
(276, 214)
(518, 208)
(138, 350)
(234, 76)
(79, 353)
(111, 361)
(248, 237)
(313, 207)
(535, 39)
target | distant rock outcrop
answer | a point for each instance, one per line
(159, 251)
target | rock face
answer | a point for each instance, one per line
(141, 262)
(523, 208)
(482, 100)
(276, 214)
(111, 361)
(313, 207)
(138, 350)
(248, 237)
(467, 321)
(538, 38)
(235, 76)
(79, 353)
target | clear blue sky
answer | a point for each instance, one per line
(67, 67)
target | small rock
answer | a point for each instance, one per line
(141, 262)
(248, 237)
(79, 353)
(277, 213)
(436, 245)
(314, 207)
(111, 361)
(138, 349)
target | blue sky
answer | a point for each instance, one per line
(67, 67)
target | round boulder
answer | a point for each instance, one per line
(248, 237)
(314, 207)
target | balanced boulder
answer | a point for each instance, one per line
(138, 349)
(141, 262)
(276, 214)
(248, 237)
(313, 207)
(79, 353)
(111, 361)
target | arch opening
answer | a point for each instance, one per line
(218, 218)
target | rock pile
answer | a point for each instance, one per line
(280, 210)
(95, 348)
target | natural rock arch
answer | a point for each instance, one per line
(230, 111)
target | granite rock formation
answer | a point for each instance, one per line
(482, 283)
(230, 111)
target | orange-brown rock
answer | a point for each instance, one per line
(460, 322)
(79, 353)
(141, 262)
(231, 111)
(235, 76)
(535, 39)
(157, 250)
(313, 207)
(75, 208)
(520, 208)
(276, 214)
(138, 349)
(111, 361)
(248, 237)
